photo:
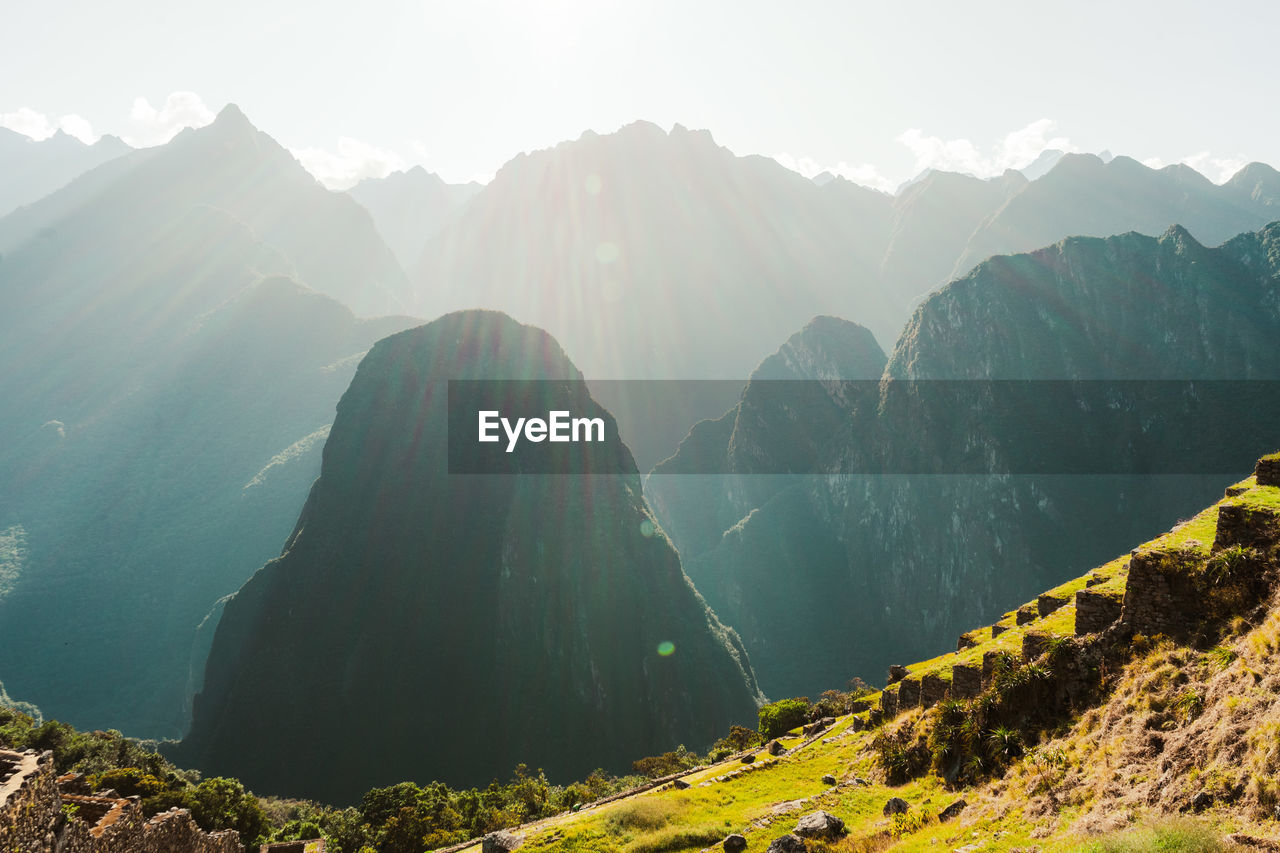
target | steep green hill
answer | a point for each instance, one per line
(1089, 719)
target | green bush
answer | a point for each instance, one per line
(778, 718)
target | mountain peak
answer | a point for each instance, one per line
(231, 115)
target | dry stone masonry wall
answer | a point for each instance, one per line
(33, 818)
(1162, 595)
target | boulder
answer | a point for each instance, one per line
(748, 758)
(500, 842)
(820, 824)
(734, 843)
(679, 784)
(896, 805)
(951, 811)
(828, 779)
(775, 747)
(788, 844)
(897, 672)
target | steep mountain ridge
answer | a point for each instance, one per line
(550, 602)
(410, 207)
(232, 166)
(920, 555)
(157, 364)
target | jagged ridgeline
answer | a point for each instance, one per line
(826, 577)
(423, 625)
(169, 374)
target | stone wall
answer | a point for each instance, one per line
(1034, 645)
(889, 702)
(1268, 470)
(933, 689)
(1151, 603)
(33, 820)
(316, 846)
(1096, 611)
(30, 811)
(177, 830)
(1245, 526)
(1046, 604)
(966, 681)
(908, 694)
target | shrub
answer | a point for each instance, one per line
(778, 718)
(657, 766)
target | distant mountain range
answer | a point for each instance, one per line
(178, 323)
(892, 566)
(168, 384)
(30, 170)
(411, 207)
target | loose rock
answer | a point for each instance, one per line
(896, 805)
(897, 672)
(775, 747)
(820, 824)
(952, 810)
(828, 779)
(735, 843)
(788, 844)
(500, 842)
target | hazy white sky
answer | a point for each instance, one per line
(877, 91)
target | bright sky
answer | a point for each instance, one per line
(876, 91)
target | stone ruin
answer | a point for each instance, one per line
(1158, 599)
(315, 846)
(43, 814)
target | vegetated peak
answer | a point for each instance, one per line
(826, 348)
(1186, 174)
(1179, 237)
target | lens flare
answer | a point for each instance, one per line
(666, 648)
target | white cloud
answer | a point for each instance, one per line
(354, 161)
(1018, 149)
(865, 174)
(39, 126)
(150, 126)
(1216, 169)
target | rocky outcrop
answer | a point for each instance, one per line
(821, 825)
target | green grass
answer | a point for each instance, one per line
(1259, 497)
(697, 817)
(1171, 836)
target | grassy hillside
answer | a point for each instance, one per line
(1112, 740)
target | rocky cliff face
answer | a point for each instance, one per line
(481, 621)
(886, 567)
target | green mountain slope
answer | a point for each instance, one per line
(1066, 723)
